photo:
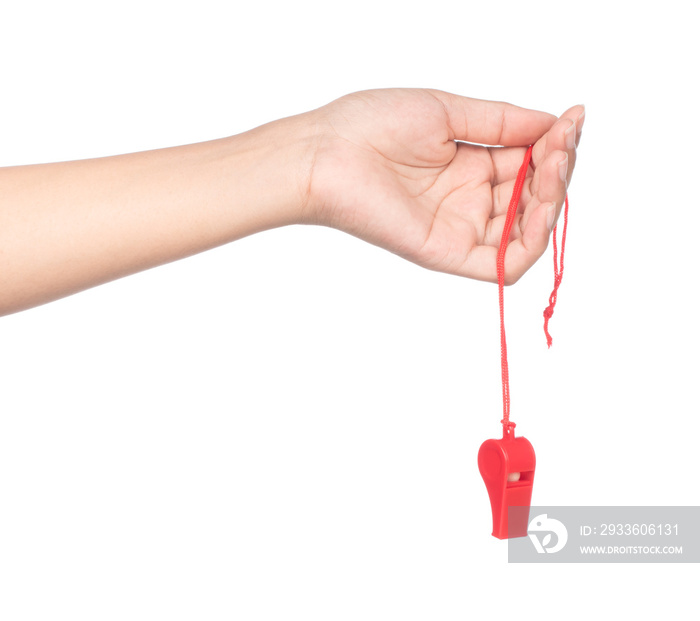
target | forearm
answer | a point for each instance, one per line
(68, 226)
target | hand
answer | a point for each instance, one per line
(388, 169)
(382, 165)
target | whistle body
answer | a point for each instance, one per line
(497, 460)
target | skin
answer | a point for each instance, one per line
(388, 166)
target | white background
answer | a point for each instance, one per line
(287, 427)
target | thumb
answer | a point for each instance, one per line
(493, 122)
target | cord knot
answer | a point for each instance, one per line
(508, 428)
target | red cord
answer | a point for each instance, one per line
(500, 270)
(558, 272)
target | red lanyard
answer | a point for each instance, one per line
(558, 274)
(507, 465)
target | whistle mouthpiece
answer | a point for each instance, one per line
(508, 469)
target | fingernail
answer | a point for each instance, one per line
(570, 136)
(579, 125)
(563, 167)
(551, 212)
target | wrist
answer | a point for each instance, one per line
(272, 166)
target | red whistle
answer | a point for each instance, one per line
(508, 469)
